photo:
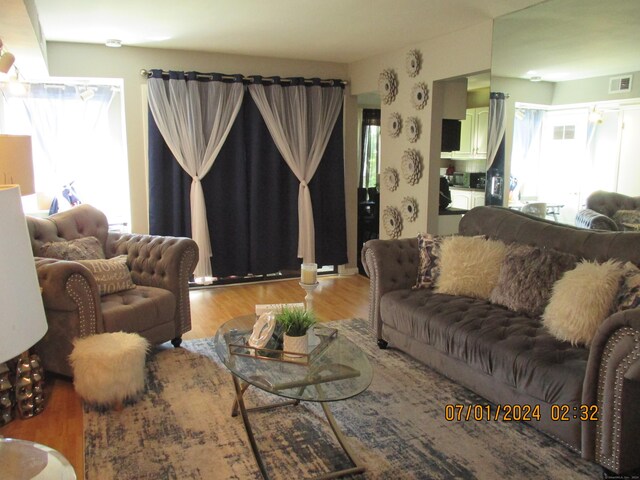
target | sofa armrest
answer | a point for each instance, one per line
(612, 382)
(390, 265)
(162, 262)
(70, 287)
(593, 220)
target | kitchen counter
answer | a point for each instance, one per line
(465, 189)
(452, 211)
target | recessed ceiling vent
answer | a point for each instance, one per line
(620, 84)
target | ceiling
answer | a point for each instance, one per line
(340, 31)
(564, 40)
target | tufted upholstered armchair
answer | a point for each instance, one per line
(601, 208)
(157, 308)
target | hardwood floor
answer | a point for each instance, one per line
(60, 425)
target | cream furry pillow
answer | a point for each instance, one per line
(581, 300)
(469, 266)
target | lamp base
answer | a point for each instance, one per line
(29, 385)
(23, 459)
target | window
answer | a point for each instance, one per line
(370, 151)
(77, 132)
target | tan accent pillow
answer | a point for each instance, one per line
(581, 300)
(112, 275)
(85, 248)
(469, 266)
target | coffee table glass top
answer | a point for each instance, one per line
(339, 371)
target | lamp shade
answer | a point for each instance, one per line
(6, 62)
(16, 162)
(22, 318)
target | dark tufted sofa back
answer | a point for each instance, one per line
(609, 203)
(512, 226)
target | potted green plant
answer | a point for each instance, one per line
(295, 322)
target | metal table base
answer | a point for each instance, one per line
(239, 405)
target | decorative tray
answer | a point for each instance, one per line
(318, 341)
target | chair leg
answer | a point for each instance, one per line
(176, 342)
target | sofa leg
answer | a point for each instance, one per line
(382, 344)
(176, 342)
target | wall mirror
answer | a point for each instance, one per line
(571, 70)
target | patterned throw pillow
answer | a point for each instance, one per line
(85, 248)
(582, 299)
(629, 294)
(628, 217)
(469, 266)
(527, 276)
(112, 275)
(428, 248)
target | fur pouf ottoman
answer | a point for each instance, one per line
(109, 368)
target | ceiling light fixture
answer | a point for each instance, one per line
(536, 78)
(113, 43)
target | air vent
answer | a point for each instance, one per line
(620, 84)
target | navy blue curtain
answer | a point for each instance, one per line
(252, 199)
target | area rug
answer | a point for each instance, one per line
(182, 428)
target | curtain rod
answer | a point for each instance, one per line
(147, 73)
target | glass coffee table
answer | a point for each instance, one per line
(338, 371)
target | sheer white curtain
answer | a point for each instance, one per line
(195, 118)
(75, 139)
(300, 119)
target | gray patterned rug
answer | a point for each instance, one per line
(182, 429)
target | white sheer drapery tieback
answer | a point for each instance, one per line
(303, 184)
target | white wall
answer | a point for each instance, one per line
(592, 90)
(459, 54)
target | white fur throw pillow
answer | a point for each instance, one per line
(581, 300)
(469, 266)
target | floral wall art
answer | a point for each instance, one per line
(404, 94)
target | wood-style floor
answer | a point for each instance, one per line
(60, 425)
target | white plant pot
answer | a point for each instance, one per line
(295, 345)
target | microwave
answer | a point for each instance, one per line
(469, 179)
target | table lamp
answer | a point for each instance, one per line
(22, 317)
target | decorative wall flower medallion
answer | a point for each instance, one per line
(413, 129)
(409, 209)
(414, 62)
(411, 166)
(390, 178)
(420, 95)
(392, 222)
(388, 85)
(395, 124)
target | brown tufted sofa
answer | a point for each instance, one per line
(601, 208)
(509, 358)
(158, 308)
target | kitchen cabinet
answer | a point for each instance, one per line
(466, 198)
(474, 130)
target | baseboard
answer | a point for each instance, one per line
(345, 270)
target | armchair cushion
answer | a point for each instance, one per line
(85, 248)
(153, 309)
(112, 275)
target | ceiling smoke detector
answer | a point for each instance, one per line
(113, 43)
